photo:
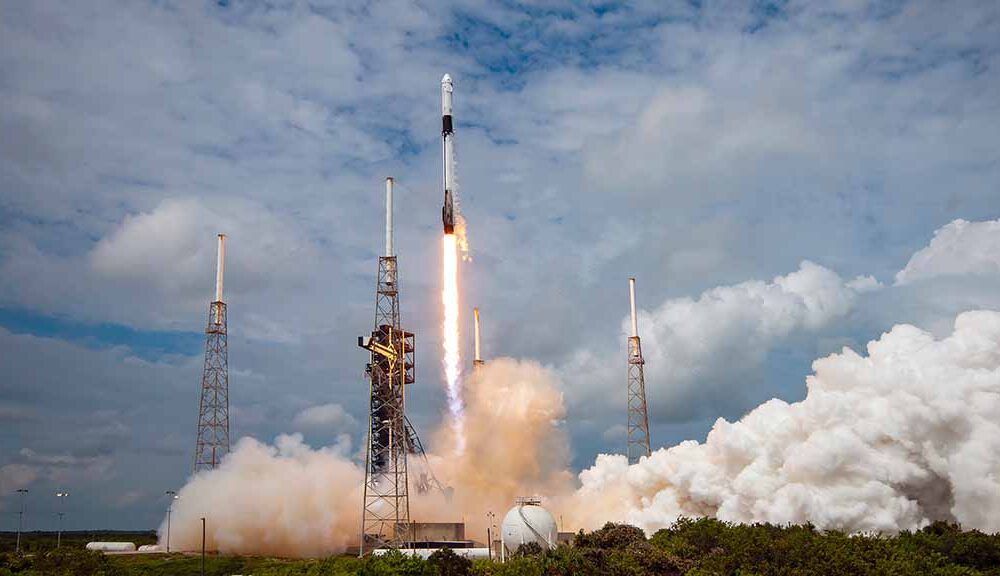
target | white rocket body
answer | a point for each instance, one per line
(448, 155)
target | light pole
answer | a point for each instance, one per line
(202, 547)
(170, 508)
(490, 517)
(20, 519)
(62, 496)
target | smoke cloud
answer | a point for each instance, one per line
(281, 500)
(291, 500)
(889, 441)
(515, 444)
(907, 434)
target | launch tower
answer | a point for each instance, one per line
(213, 414)
(638, 417)
(386, 515)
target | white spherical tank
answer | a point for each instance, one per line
(529, 522)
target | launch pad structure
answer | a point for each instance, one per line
(213, 412)
(385, 517)
(638, 416)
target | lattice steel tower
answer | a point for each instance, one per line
(213, 414)
(386, 515)
(638, 416)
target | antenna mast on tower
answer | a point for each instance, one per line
(213, 413)
(638, 417)
(386, 515)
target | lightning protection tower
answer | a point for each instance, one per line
(386, 515)
(638, 417)
(213, 414)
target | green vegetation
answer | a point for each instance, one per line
(701, 547)
(32, 542)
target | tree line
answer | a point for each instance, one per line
(690, 547)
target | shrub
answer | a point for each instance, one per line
(611, 537)
(444, 562)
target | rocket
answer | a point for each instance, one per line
(448, 147)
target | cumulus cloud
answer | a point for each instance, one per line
(593, 155)
(958, 248)
(700, 352)
(908, 434)
(689, 131)
(173, 245)
(324, 418)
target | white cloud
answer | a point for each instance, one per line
(702, 353)
(660, 141)
(958, 248)
(615, 433)
(324, 418)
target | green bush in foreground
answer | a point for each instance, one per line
(701, 547)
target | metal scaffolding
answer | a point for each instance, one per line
(638, 416)
(213, 414)
(386, 514)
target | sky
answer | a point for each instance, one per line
(783, 179)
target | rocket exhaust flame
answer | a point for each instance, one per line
(449, 291)
(452, 357)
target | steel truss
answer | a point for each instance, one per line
(638, 417)
(386, 515)
(213, 413)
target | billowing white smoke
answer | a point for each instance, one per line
(892, 440)
(889, 441)
(515, 444)
(282, 500)
(292, 500)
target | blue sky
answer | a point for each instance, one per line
(706, 148)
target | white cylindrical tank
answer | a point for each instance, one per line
(528, 522)
(111, 546)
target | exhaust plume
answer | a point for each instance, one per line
(515, 445)
(890, 441)
(291, 500)
(281, 500)
(893, 440)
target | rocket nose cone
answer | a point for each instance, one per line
(446, 79)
